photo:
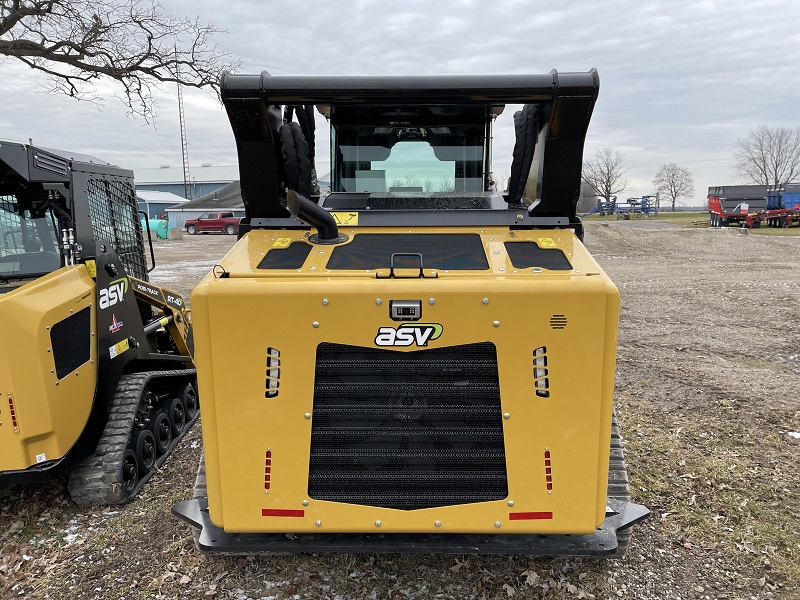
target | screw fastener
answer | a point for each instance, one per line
(496, 323)
(438, 523)
(307, 416)
(377, 523)
(497, 524)
(315, 324)
(507, 416)
(511, 503)
(305, 502)
(318, 523)
(325, 302)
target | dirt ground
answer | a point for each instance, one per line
(707, 397)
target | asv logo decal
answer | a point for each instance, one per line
(114, 293)
(408, 334)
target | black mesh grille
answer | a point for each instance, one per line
(112, 207)
(525, 255)
(407, 430)
(456, 251)
(291, 257)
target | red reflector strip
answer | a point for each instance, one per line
(529, 516)
(13, 412)
(281, 512)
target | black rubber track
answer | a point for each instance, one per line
(618, 485)
(97, 480)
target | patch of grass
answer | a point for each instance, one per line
(777, 231)
(722, 485)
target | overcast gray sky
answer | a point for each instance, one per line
(680, 81)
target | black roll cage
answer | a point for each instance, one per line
(565, 102)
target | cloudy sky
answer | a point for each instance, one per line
(680, 81)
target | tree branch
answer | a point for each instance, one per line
(134, 42)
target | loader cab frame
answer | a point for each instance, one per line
(372, 118)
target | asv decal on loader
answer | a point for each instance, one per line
(408, 334)
(113, 293)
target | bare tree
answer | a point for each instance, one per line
(587, 199)
(674, 181)
(604, 172)
(134, 42)
(769, 155)
(501, 181)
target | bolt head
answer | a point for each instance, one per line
(497, 524)
(325, 302)
(378, 301)
(377, 523)
(438, 523)
(485, 301)
(432, 301)
(318, 523)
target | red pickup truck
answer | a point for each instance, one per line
(222, 222)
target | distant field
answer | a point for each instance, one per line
(695, 219)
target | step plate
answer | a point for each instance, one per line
(213, 540)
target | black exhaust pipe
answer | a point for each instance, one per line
(316, 216)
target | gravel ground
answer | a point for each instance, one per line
(707, 380)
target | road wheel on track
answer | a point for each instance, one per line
(130, 472)
(191, 229)
(230, 229)
(161, 428)
(144, 445)
(177, 416)
(190, 404)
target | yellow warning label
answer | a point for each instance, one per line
(91, 266)
(118, 348)
(546, 243)
(345, 218)
(282, 243)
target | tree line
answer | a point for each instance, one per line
(767, 156)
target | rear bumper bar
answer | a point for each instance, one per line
(213, 540)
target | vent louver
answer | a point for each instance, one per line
(50, 163)
(540, 373)
(558, 322)
(273, 372)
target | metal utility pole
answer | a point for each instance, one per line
(184, 145)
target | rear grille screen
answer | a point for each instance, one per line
(407, 430)
(456, 251)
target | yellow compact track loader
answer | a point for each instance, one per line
(425, 364)
(96, 374)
